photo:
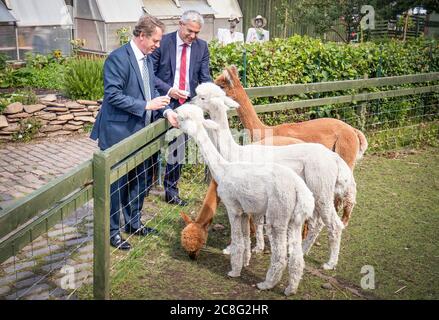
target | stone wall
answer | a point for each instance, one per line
(56, 117)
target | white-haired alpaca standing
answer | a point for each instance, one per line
(267, 189)
(324, 172)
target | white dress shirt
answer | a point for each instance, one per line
(225, 37)
(179, 50)
(139, 57)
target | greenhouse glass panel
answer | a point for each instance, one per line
(92, 32)
(44, 40)
(113, 39)
(41, 13)
(5, 15)
(87, 9)
(120, 11)
(162, 8)
(8, 44)
(201, 6)
(224, 8)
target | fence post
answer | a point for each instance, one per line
(244, 62)
(362, 109)
(101, 226)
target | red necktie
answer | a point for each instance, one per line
(182, 82)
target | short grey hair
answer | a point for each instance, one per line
(192, 16)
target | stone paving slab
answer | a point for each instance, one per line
(35, 273)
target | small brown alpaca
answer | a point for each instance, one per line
(336, 135)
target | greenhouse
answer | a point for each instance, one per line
(41, 26)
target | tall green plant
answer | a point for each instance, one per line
(83, 78)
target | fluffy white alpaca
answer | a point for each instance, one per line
(325, 173)
(264, 189)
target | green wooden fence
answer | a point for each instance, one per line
(33, 215)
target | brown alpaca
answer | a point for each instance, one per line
(194, 235)
(334, 134)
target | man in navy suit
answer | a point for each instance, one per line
(131, 102)
(180, 65)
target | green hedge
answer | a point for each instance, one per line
(301, 59)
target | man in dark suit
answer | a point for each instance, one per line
(180, 65)
(131, 102)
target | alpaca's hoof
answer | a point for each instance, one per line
(290, 290)
(234, 274)
(328, 266)
(264, 285)
(226, 251)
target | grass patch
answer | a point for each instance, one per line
(394, 229)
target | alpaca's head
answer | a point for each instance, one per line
(212, 99)
(229, 81)
(191, 119)
(193, 236)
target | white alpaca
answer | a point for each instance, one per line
(264, 189)
(324, 172)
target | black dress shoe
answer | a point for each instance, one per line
(142, 231)
(176, 200)
(119, 243)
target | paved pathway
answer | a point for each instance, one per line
(60, 260)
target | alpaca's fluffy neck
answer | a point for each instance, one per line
(211, 155)
(226, 144)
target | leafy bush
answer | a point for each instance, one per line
(3, 59)
(83, 79)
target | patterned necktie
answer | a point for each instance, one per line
(182, 82)
(145, 76)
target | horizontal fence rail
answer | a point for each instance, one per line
(294, 89)
(20, 223)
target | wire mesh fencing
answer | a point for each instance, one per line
(55, 264)
(150, 206)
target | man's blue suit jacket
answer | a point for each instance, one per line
(164, 60)
(123, 109)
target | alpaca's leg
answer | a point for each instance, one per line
(295, 262)
(348, 205)
(315, 225)
(335, 228)
(278, 257)
(260, 242)
(247, 242)
(237, 246)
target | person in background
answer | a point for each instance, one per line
(258, 33)
(226, 36)
(180, 65)
(130, 103)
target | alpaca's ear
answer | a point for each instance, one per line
(210, 124)
(186, 218)
(234, 69)
(231, 103)
(228, 77)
